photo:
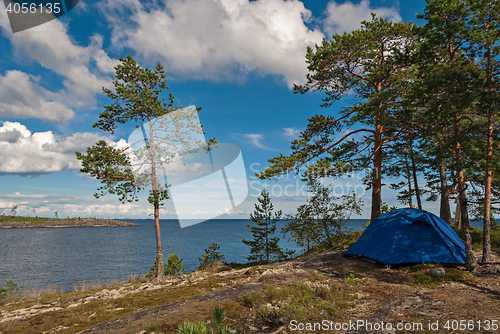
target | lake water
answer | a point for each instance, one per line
(37, 257)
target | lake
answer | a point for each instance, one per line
(37, 257)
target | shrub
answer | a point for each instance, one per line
(271, 314)
(192, 328)
(322, 218)
(10, 288)
(352, 237)
(299, 300)
(215, 325)
(211, 255)
(173, 267)
(351, 280)
(252, 299)
(476, 234)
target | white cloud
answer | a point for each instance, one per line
(6, 205)
(178, 166)
(347, 16)
(256, 139)
(217, 39)
(84, 69)
(41, 152)
(17, 195)
(22, 97)
(291, 132)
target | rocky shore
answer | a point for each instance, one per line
(284, 297)
(74, 222)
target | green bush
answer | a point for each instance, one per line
(216, 325)
(192, 328)
(211, 255)
(351, 280)
(9, 289)
(173, 267)
(476, 234)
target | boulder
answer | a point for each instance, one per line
(437, 272)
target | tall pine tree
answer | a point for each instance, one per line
(362, 66)
(446, 80)
(137, 99)
(484, 24)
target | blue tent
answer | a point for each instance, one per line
(409, 236)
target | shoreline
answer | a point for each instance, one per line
(75, 222)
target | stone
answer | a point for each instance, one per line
(493, 269)
(437, 272)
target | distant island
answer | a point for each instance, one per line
(33, 222)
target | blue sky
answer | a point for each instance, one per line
(237, 59)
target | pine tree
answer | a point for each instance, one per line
(262, 245)
(363, 66)
(406, 161)
(137, 98)
(447, 80)
(484, 25)
(322, 219)
(301, 227)
(211, 255)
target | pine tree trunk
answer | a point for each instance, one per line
(415, 183)
(410, 202)
(465, 226)
(408, 179)
(160, 275)
(463, 203)
(377, 172)
(458, 214)
(487, 220)
(487, 191)
(267, 238)
(488, 174)
(444, 208)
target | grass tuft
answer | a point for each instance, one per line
(422, 277)
(299, 300)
